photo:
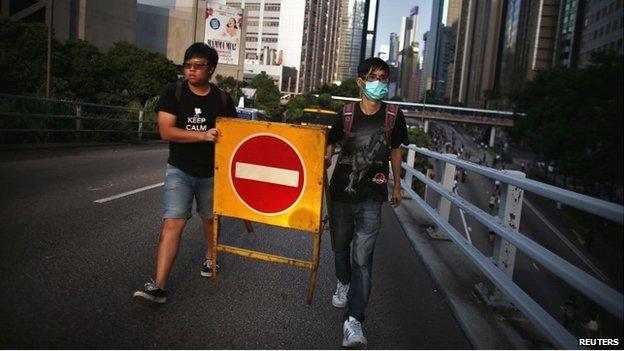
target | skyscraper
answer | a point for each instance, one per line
(320, 41)
(474, 65)
(409, 27)
(294, 41)
(351, 34)
(408, 52)
(393, 54)
(602, 28)
(527, 43)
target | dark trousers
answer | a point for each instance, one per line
(355, 227)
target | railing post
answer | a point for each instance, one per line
(492, 136)
(504, 254)
(78, 122)
(426, 126)
(411, 157)
(444, 206)
(140, 128)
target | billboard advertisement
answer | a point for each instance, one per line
(223, 31)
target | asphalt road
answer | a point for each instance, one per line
(70, 265)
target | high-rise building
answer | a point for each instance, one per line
(408, 53)
(393, 52)
(528, 42)
(168, 30)
(438, 60)
(294, 41)
(320, 43)
(101, 23)
(569, 31)
(409, 27)
(473, 72)
(350, 38)
(410, 75)
(429, 60)
(602, 28)
(444, 60)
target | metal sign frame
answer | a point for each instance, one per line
(305, 212)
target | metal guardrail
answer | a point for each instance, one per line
(500, 271)
(87, 117)
(446, 108)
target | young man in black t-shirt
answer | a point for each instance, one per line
(358, 189)
(186, 118)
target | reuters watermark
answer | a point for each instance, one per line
(599, 342)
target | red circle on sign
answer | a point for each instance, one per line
(267, 174)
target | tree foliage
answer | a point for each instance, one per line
(267, 94)
(79, 70)
(347, 88)
(574, 120)
(22, 56)
(231, 86)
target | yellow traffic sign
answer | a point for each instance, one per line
(270, 173)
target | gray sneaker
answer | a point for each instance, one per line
(353, 336)
(339, 299)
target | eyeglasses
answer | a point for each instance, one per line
(372, 78)
(197, 66)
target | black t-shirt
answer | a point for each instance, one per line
(196, 113)
(362, 170)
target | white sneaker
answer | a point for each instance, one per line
(353, 334)
(339, 299)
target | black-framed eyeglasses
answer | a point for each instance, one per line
(198, 66)
(373, 77)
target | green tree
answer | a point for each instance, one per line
(23, 56)
(348, 88)
(136, 74)
(231, 86)
(267, 95)
(574, 119)
(324, 101)
(295, 106)
(81, 71)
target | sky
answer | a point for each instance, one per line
(389, 20)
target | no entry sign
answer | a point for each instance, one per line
(270, 173)
(267, 173)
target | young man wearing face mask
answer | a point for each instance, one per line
(370, 133)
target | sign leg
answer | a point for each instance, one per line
(216, 221)
(316, 249)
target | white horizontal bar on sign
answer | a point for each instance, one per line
(267, 174)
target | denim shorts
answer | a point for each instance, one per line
(180, 190)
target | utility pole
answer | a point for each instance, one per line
(49, 61)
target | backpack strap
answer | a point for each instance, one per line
(178, 91)
(391, 112)
(347, 120)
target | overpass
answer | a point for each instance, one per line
(443, 113)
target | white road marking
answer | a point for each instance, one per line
(461, 212)
(266, 174)
(114, 197)
(567, 242)
(535, 266)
